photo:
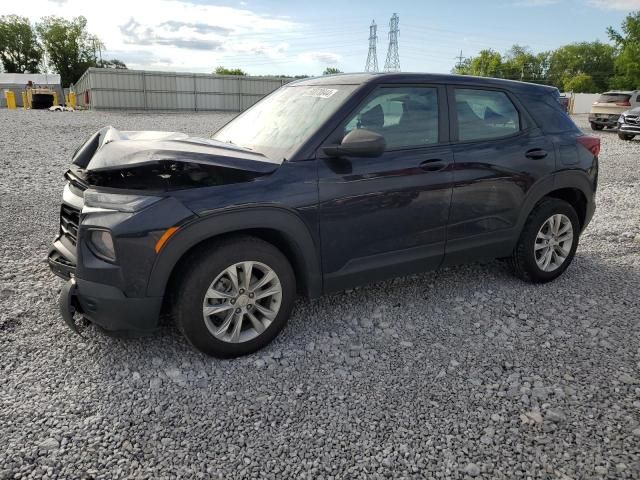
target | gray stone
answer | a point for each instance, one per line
(49, 444)
(555, 415)
(472, 470)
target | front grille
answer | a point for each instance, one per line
(69, 221)
(632, 120)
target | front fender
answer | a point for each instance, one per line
(284, 221)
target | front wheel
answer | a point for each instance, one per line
(548, 242)
(625, 136)
(234, 297)
(595, 126)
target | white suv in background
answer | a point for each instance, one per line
(610, 105)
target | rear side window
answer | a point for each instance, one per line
(614, 98)
(485, 114)
(548, 113)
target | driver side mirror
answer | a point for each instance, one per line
(359, 142)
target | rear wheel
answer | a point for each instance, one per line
(235, 297)
(625, 136)
(548, 242)
(595, 126)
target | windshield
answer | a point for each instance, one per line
(278, 124)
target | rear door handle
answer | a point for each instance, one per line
(536, 154)
(432, 165)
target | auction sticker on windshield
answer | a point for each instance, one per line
(320, 92)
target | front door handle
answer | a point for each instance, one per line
(536, 154)
(433, 165)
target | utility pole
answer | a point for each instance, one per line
(460, 58)
(372, 57)
(392, 63)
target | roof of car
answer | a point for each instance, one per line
(363, 78)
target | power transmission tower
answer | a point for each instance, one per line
(372, 57)
(392, 63)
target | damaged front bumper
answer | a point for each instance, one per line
(604, 119)
(108, 308)
(103, 305)
(629, 124)
(94, 289)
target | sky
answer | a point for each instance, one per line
(301, 37)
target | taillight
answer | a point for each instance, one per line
(590, 143)
(623, 104)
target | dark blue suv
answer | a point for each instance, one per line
(325, 184)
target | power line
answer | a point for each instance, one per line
(392, 63)
(372, 56)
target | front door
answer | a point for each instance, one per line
(387, 216)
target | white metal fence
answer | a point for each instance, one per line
(103, 89)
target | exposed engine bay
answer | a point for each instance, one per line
(165, 176)
(162, 161)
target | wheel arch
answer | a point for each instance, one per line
(574, 197)
(573, 186)
(281, 227)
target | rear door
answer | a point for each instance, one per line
(387, 216)
(499, 154)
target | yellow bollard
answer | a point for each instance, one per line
(11, 99)
(24, 100)
(72, 100)
(55, 98)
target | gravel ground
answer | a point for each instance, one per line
(466, 372)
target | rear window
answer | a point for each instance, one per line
(614, 98)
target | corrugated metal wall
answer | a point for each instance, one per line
(102, 89)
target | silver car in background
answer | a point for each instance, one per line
(629, 124)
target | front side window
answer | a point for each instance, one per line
(405, 117)
(485, 114)
(277, 125)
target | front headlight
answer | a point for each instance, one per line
(118, 202)
(101, 244)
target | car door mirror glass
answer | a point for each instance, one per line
(359, 142)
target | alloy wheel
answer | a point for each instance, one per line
(242, 302)
(553, 242)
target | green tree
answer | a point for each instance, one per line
(331, 71)
(113, 63)
(520, 63)
(627, 62)
(488, 63)
(20, 51)
(580, 83)
(230, 71)
(595, 59)
(70, 47)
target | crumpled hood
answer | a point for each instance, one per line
(111, 149)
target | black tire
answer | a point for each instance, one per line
(595, 126)
(624, 136)
(202, 267)
(523, 261)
